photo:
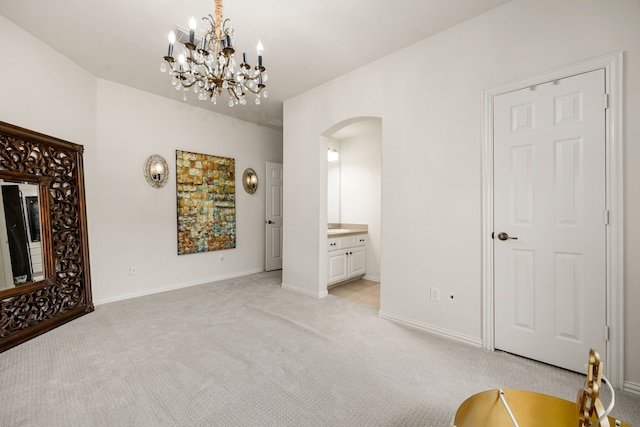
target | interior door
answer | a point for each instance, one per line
(273, 221)
(549, 220)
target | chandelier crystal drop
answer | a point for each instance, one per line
(211, 68)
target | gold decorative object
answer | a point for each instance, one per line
(209, 65)
(156, 171)
(250, 181)
(590, 407)
(520, 408)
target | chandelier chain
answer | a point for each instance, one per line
(218, 19)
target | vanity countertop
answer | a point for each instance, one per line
(338, 230)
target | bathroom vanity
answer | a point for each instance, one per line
(346, 254)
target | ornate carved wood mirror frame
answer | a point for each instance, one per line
(27, 311)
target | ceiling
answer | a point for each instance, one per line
(306, 42)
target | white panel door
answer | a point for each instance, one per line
(549, 198)
(273, 222)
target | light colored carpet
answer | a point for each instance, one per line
(245, 352)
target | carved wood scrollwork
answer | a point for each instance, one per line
(65, 293)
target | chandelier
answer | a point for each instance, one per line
(210, 67)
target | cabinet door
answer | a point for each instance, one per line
(338, 266)
(356, 261)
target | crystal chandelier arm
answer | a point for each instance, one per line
(232, 93)
(210, 20)
(256, 91)
(210, 34)
(227, 29)
(193, 76)
(195, 60)
(186, 83)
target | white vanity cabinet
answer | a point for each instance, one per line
(346, 257)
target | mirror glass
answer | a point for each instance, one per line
(20, 234)
(333, 191)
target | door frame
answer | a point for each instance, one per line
(613, 65)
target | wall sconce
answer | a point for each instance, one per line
(333, 155)
(156, 171)
(250, 181)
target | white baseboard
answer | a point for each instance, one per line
(294, 288)
(176, 286)
(430, 328)
(631, 387)
(372, 278)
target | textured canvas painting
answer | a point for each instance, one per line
(206, 195)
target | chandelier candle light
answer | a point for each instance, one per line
(211, 67)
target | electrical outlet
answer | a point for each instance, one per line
(435, 294)
(133, 270)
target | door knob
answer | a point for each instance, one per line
(505, 236)
(270, 222)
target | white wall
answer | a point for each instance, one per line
(62, 103)
(131, 223)
(360, 169)
(138, 222)
(432, 133)
(43, 91)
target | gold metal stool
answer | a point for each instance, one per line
(520, 408)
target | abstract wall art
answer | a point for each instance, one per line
(206, 198)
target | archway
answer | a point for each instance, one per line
(350, 192)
